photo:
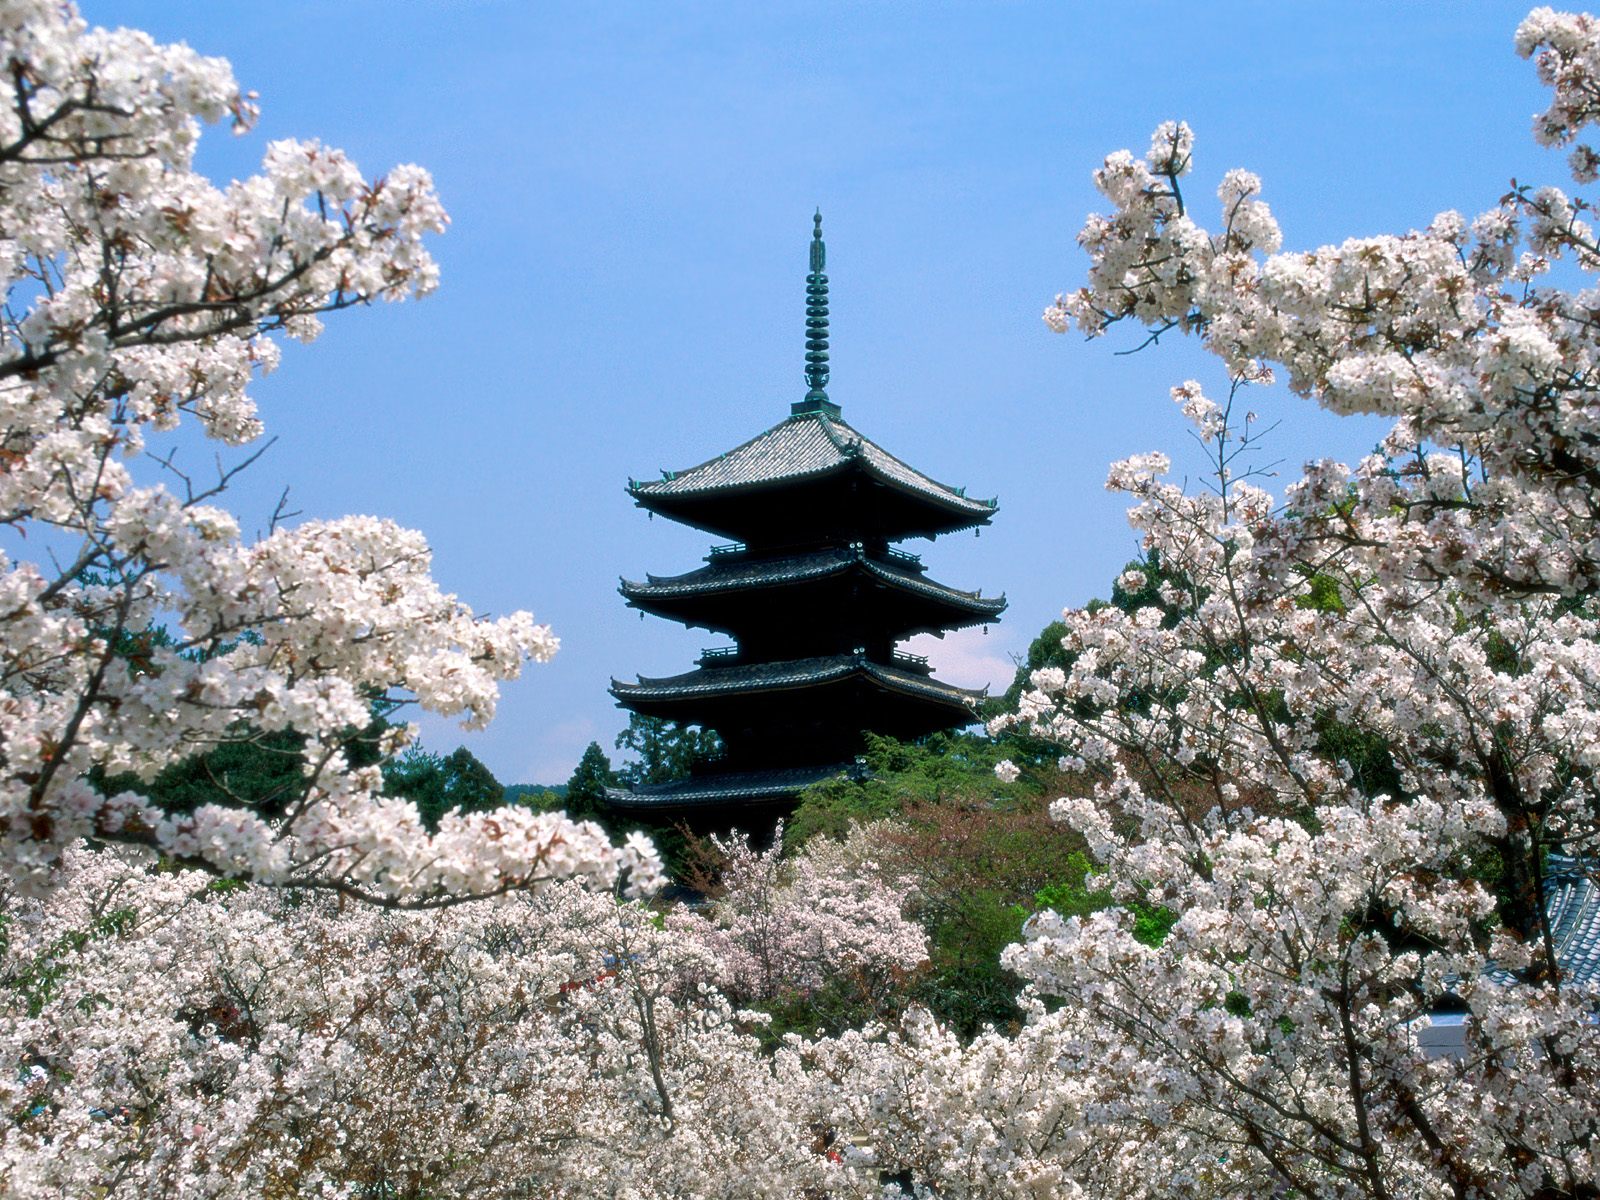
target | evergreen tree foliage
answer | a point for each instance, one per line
(539, 796)
(664, 750)
(586, 790)
(437, 784)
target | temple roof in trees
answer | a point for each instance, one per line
(1573, 903)
(1572, 906)
(810, 458)
(717, 596)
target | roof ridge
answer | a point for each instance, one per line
(846, 448)
(933, 585)
(804, 566)
(895, 458)
(667, 476)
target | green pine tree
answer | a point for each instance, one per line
(586, 790)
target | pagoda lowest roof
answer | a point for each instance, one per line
(807, 446)
(722, 787)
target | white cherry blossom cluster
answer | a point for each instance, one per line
(1340, 751)
(167, 1035)
(786, 927)
(139, 296)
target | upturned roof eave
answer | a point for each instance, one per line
(626, 801)
(675, 504)
(976, 601)
(644, 497)
(731, 681)
(935, 490)
(708, 584)
(675, 606)
(712, 789)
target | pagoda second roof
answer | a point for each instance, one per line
(739, 574)
(751, 678)
(804, 447)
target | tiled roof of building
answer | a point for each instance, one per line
(712, 788)
(1572, 901)
(805, 446)
(760, 677)
(738, 574)
(1572, 905)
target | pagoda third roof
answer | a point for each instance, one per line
(739, 574)
(802, 672)
(800, 448)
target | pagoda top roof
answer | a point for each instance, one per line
(747, 678)
(799, 478)
(807, 445)
(733, 574)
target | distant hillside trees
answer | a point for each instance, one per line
(441, 783)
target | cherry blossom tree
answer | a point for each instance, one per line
(996, 1116)
(1385, 685)
(140, 298)
(789, 927)
(179, 1036)
(1340, 750)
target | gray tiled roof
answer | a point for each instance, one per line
(1572, 901)
(1572, 905)
(736, 574)
(806, 446)
(729, 785)
(760, 677)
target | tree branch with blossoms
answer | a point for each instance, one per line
(139, 296)
(1387, 682)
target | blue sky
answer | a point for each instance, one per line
(631, 187)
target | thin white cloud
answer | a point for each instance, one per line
(968, 658)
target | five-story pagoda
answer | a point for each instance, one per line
(815, 597)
